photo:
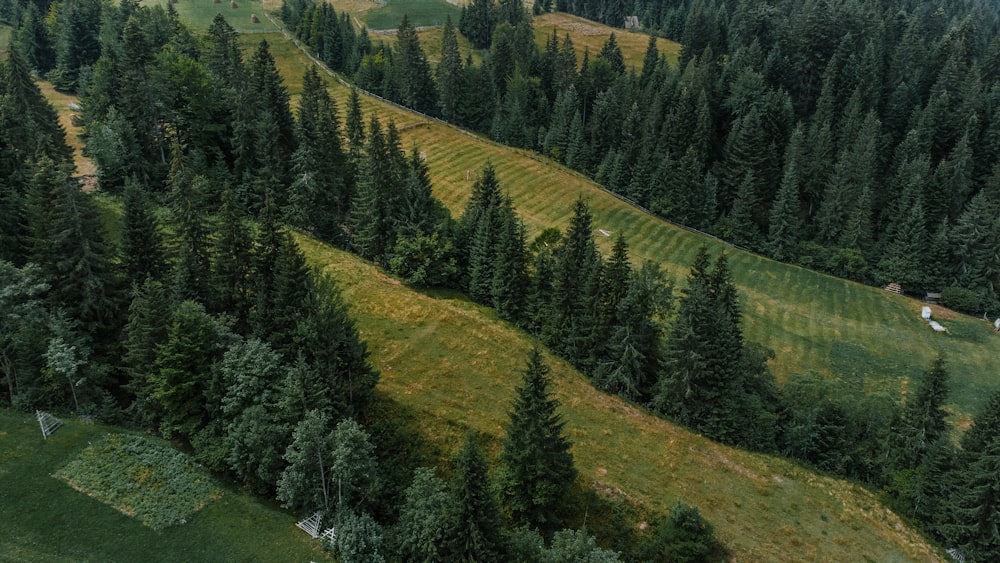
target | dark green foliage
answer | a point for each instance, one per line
(538, 467)
(359, 538)
(425, 260)
(711, 379)
(185, 383)
(319, 195)
(66, 240)
(420, 531)
(232, 262)
(338, 378)
(142, 253)
(23, 320)
(148, 319)
(975, 523)
(986, 425)
(305, 484)
(923, 420)
(449, 73)
(414, 86)
(76, 43)
(635, 335)
(477, 23)
(472, 531)
(571, 317)
(682, 536)
(256, 426)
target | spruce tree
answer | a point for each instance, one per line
(232, 248)
(538, 465)
(985, 425)
(449, 73)
(576, 292)
(473, 523)
(420, 531)
(183, 382)
(146, 330)
(924, 416)
(141, 247)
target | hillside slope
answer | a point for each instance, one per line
(866, 337)
(453, 364)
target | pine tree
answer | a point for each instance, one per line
(576, 291)
(784, 227)
(232, 263)
(509, 285)
(985, 426)
(924, 416)
(538, 465)
(148, 319)
(340, 381)
(976, 516)
(449, 73)
(473, 523)
(415, 86)
(704, 383)
(183, 380)
(319, 195)
(192, 264)
(141, 247)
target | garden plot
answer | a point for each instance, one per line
(141, 478)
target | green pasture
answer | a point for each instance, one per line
(198, 14)
(589, 35)
(420, 13)
(862, 335)
(44, 519)
(451, 365)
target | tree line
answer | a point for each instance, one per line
(857, 138)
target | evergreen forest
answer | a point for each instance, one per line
(858, 138)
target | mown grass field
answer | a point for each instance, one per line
(453, 365)
(44, 519)
(421, 13)
(589, 35)
(198, 14)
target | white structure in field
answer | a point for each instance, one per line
(47, 422)
(925, 312)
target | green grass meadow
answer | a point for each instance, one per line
(453, 365)
(44, 519)
(198, 14)
(420, 13)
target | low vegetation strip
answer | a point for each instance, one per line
(141, 478)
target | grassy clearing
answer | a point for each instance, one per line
(142, 478)
(198, 14)
(46, 520)
(453, 365)
(61, 101)
(420, 13)
(592, 36)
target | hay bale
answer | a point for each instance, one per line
(254, 19)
